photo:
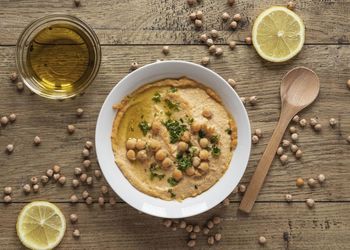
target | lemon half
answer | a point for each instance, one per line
(278, 34)
(41, 225)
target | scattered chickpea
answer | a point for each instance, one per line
(253, 100)
(193, 16)
(262, 240)
(288, 197)
(77, 171)
(165, 50)
(258, 132)
(4, 120)
(44, 179)
(294, 137)
(193, 236)
(209, 42)
(134, 66)
(62, 180)
(318, 127)
(87, 164)
(310, 203)
(196, 229)
(296, 119)
(142, 155)
(12, 117)
(89, 200)
(216, 220)
(112, 201)
(332, 122)
(182, 224)
(219, 52)
(195, 127)
(189, 228)
(292, 129)
(70, 129)
(191, 243)
(204, 143)
(85, 153)
(233, 25)
(313, 121)
(210, 224)
(49, 173)
(311, 182)
(20, 86)
(217, 236)
(280, 151)
(198, 23)
(231, 2)
(225, 16)
(177, 174)
(283, 159)
(205, 61)
(104, 189)
(255, 139)
(167, 223)
(101, 201)
(206, 231)
(203, 154)
(161, 154)
(232, 45)
(294, 148)
(74, 199)
(237, 17)
(56, 168)
(13, 76)
(26, 188)
(242, 188)
(299, 182)
(34, 180)
(79, 112)
(97, 174)
(75, 183)
(232, 82)
(248, 40)
(211, 240)
(214, 33)
(182, 146)
(212, 49)
(291, 5)
(285, 143)
(203, 38)
(89, 181)
(167, 163)
(298, 154)
(56, 176)
(83, 177)
(140, 144)
(76, 232)
(89, 145)
(73, 218)
(37, 140)
(348, 83)
(8, 190)
(36, 188)
(302, 122)
(7, 199)
(321, 178)
(9, 148)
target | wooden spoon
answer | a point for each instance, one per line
(299, 88)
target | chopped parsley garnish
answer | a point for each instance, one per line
(183, 162)
(228, 131)
(189, 119)
(214, 139)
(172, 181)
(215, 151)
(156, 97)
(201, 133)
(175, 129)
(145, 127)
(192, 150)
(172, 105)
(172, 89)
(172, 194)
(153, 172)
(195, 186)
(168, 113)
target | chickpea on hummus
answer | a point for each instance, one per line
(173, 138)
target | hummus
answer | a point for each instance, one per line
(173, 138)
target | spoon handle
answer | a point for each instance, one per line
(258, 178)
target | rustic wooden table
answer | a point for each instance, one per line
(136, 30)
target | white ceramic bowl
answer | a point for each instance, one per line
(189, 206)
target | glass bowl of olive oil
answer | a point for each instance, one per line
(58, 56)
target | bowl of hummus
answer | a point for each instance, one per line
(173, 139)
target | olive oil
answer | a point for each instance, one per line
(59, 59)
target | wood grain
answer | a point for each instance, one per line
(325, 152)
(290, 226)
(167, 22)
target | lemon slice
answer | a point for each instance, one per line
(278, 34)
(41, 225)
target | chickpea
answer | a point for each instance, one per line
(243, 100)
(131, 155)
(190, 171)
(332, 122)
(83, 177)
(167, 163)
(204, 154)
(204, 167)
(189, 228)
(161, 154)
(79, 112)
(183, 224)
(196, 161)
(310, 203)
(296, 118)
(112, 201)
(89, 145)
(140, 144)
(212, 49)
(253, 100)
(85, 194)
(237, 17)
(12, 117)
(299, 182)
(284, 159)
(280, 151)
(56, 169)
(35, 188)
(154, 145)
(4, 120)
(248, 40)
(226, 202)
(56, 176)
(85, 153)
(348, 138)
(20, 86)
(211, 240)
(318, 127)
(210, 224)
(26, 188)
(74, 199)
(292, 129)
(193, 16)
(204, 142)
(291, 5)
(285, 143)
(195, 127)
(101, 201)
(205, 61)
(182, 146)
(313, 121)
(77, 171)
(8, 190)
(206, 231)
(89, 181)
(62, 180)
(87, 164)
(193, 236)
(141, 155)
(191, 2)
(9, 148)
(233, 25)
(97, 174)
(217, 236)
(232, 82)
(73, 218)
(177, 174)
(207, 113)
(13, 76)
(262, 240)
(75, 183)
(7, 199)
(288, 197)
(70, 129)
(255, 139)
(214, 34)
(165, 50)
(294, 148)
(156, 126)
(186, 136)
(321, 178)
(258, 132)
(167, 223)
(76, 232)
(232, 45)
(302, 123)
(294, 137)
(209, 42)
(203, 38)
(37, 140)
(216, 220)
(198, 23)
(49, 173)
(298, 154)
(34, 180)
(134, 66)
(225, 16)
(104, 189)
(191, 243)
(242, 188)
